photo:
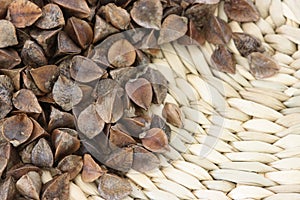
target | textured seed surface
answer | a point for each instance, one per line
(120, 159)
(155, 140)
(91, 170)
(52, 17)
(113, 187)
(80, 31)
(6, 86)
(8, 35)
(173, 27)
(89, 122)
(41, 154)
(71, 164)
(109, 103)
(147, 13)
(57, 188)
(30, 185)
(102, 29)
(8, 189)
(44, 77)
(262, 66)
(66, 93)
(26, 101)
(246, 44)
(241, 10)
(85, 70)
(172, 114)
(217, 31)
(116, 15)
(65, 141)
(121, 54)
(144, 160)
(140, 92)
(23, 13)
(9, 58)
(17, 129)
(223, 60)
(78, 8)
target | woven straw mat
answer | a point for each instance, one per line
(241, 136)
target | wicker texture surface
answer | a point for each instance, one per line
(241, 136)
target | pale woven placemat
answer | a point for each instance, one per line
(254, 153)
